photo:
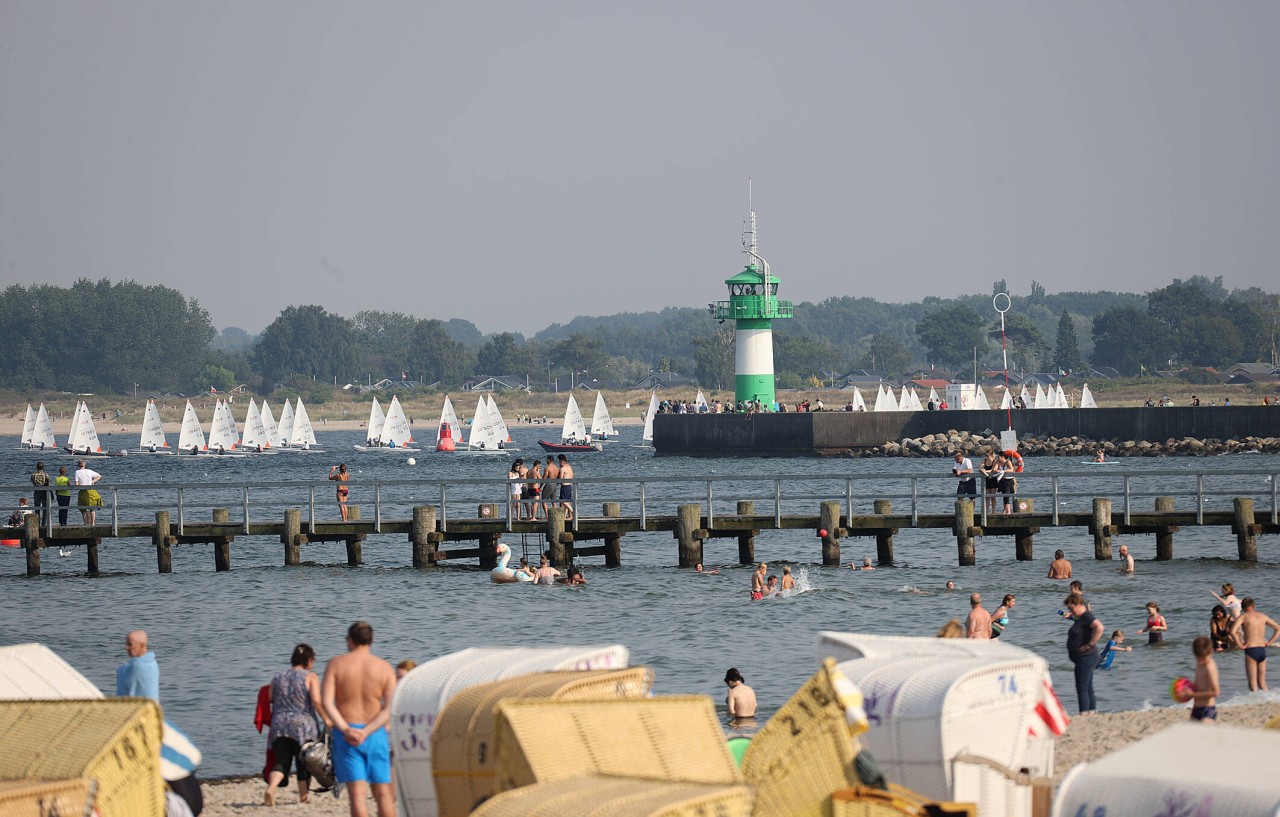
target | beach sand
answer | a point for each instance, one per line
(1089, 737)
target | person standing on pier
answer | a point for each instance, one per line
(338, 473)
(963, 468)
(90, 500)
(40, 480)
(63, 495)
(550, 490)
(566, 487)
(1250, 630)
(978, 624)
(356, 693)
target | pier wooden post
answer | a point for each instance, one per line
(1101, 529)
(884, 537)
(612, 541)
(688, 522)
(164, 549)
(964, 533)
(829, 520)
(292, 537)
(355, 546)
(1246, 531)
(1164, 535)
(555, 534)
(222, 547)
(1022, 537)
(489, 541)
(423, 535)
(31, 541)
(91, 556)
(746, 541)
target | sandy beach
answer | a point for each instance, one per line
(1088, 738)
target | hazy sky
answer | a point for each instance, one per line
(517, 164)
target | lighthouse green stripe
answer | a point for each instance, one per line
(753, 323)
(753, 386)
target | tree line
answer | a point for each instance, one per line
(118, 336)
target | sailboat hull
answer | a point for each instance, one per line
(384, 449)
(565, 448)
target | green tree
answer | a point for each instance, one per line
(385, 340)
(580, 352)
(1129, 339)
(1023, 339)
(1209, 341)
(1066, 352)
(806, 356)
(998, 287)
(713, 357)
(501, 354)
(1037, 291)
(887, 354)
(437, 356)
(306, 341)
(217, 377)
(950, 334)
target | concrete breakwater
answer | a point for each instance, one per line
(946, 445)
(843, 433)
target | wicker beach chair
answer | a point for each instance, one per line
(594, 796)
(43, 798)
(462, 752)
(114, 741)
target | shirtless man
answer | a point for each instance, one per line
(546, 573)
(1126, 561)
(758, 581)
(357, 693)
(978, 624)
(741, 700)
(551, 471)
(1059, 568)
(1251, 630)
(566, 489)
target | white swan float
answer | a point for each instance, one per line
(506, 575)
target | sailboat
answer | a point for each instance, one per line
(573, 433)
(302, 438)
(858, 402)
(699, 404)
(1086, 398)
(649, 413)
(500, 425)
(285, 430)
(602, 424)
(152, 439)
(395, 434)
(28, 427)
(83, 441)
(449, 418)
(191, 438)
(42, 435)
(255, 439)
(269, 424)
(484, 433)
(224, 437)
(373, 428)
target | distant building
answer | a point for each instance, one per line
(656, 381)
(498, 383)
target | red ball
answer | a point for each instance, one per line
(823, 533)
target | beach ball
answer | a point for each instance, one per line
(1180, 689)
(411, 461)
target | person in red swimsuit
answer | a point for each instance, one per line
(338, 474)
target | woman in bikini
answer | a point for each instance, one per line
(338, 474)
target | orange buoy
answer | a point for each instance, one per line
(446, 438)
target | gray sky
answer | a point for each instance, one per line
(517, 164)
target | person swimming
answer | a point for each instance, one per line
(771, 587)
(788, 582)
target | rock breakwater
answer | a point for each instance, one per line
(947, 444)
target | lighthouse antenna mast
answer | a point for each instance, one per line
(751, 243)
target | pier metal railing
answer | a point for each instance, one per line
(781, 494)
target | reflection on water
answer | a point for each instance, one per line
(221, 636)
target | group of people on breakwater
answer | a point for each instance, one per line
(969, 443)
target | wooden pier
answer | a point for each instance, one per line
(433, 541)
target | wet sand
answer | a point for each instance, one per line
(1089, 737)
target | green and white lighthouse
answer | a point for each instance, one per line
(753, 305)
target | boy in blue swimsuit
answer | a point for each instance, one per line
(356, 693)
(1204, 701)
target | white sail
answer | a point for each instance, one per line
(647, 436)
(574, 427)
(223, 435)
(86, 436)
(152, 430)
(395, 427)
(1062, 397)
(75, 421)
(1025, 396)
(933, 397)
(284, 431)
(1006, 402)
(1086, 398)
(602, 423)
(699, 405)
(1040, 400)
(915, 401)
(500, 429)
(373, 432)
(303, 436)
(980, 398)
(192, 435)
(885, 401)
(28, 426)
(269, 425)
(858, 401)
(448, 415)
(255, 431)
(42, 436)
(483, 436)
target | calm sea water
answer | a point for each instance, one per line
(219, 636)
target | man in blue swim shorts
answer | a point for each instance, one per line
(356, 693)
(1251, 630)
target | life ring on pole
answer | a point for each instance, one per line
(1016, 459)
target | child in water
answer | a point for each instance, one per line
(1156, 625)
(1109, 652)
